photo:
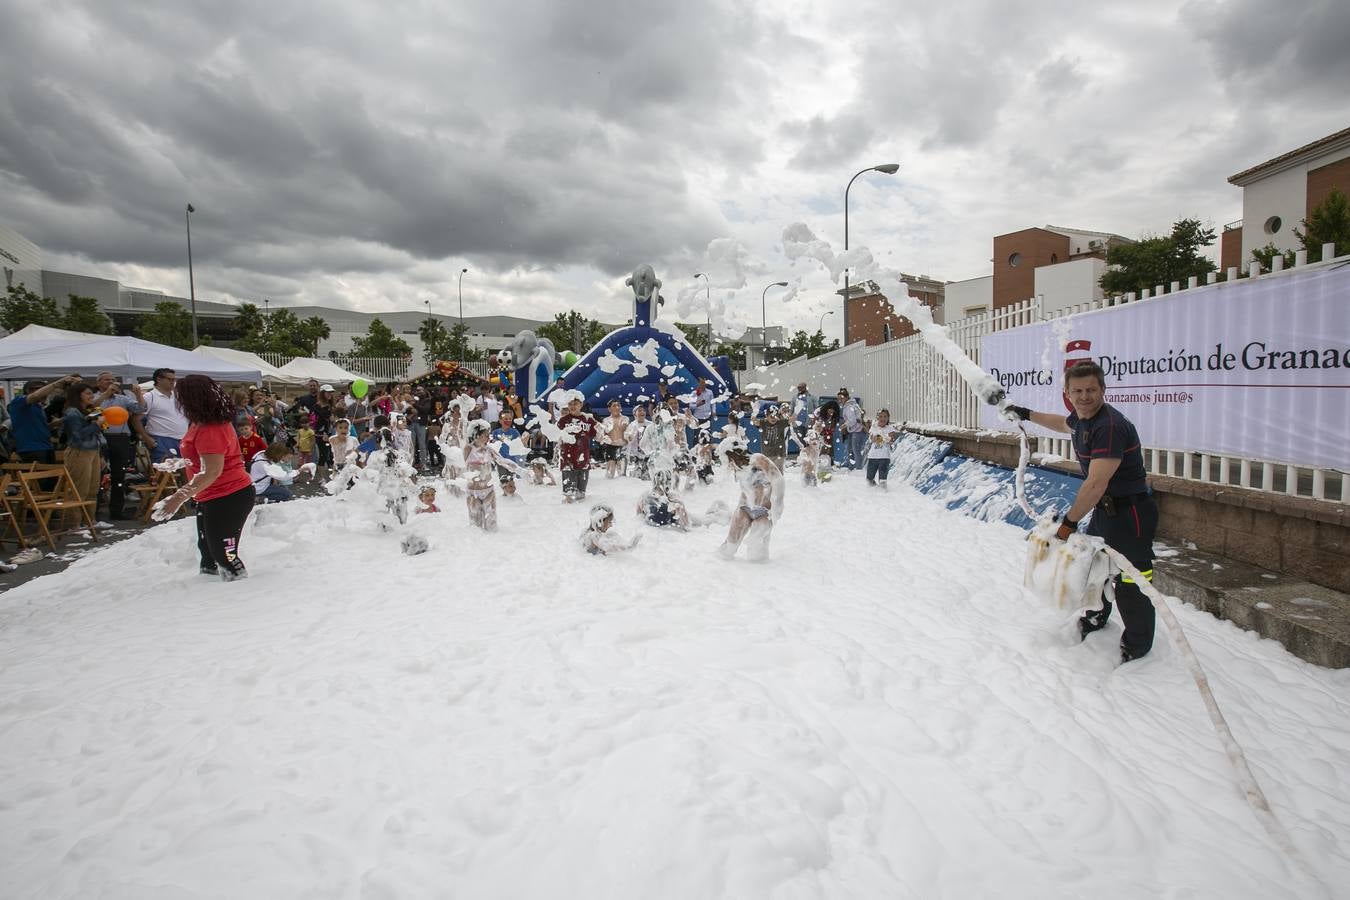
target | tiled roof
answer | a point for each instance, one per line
(1247, 175)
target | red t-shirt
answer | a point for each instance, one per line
(218, 437)
(250, 447)
(576, 455)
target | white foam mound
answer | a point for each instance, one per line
(881, 710)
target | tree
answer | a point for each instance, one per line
(734, 351)
(313, 330)
(282, 334)
(696, 335)
(380, 342)
(250, 329)
(436, 342)
(1266, 256)
(573, 331)
(460, 348)
(1152, 261)
(169, 324)
(803, 344)
(1328, 224)
(84, 315)
(22, 307)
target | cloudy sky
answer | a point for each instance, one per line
(361, 154)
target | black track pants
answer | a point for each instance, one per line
(219, 524)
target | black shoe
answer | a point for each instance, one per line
(227, 575)
(1126, 654)
(209, 570)
(1093, 620)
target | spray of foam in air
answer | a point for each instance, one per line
(985, 386)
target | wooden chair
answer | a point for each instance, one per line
(160, 485)
(7, 511)
(63, 498)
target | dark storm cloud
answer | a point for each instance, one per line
(539, 134)
(1275, 51)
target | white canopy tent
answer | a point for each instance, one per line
(128, 357)
(250, 361)
(45, 333)
(321, 370)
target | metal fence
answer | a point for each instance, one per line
(378, 369)
(920, 388)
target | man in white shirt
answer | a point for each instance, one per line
(165, 423)
(701, 404)
(492, 410)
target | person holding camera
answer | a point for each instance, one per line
(108, 392)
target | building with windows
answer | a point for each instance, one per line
(873, 320)
(1062, 266)
(1280, 193)
(128, 306)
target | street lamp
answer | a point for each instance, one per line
(707, 288)
(821, 327)
(192, 287)
(764, 317)
(885, 169)
(461, 295)
(463, 336)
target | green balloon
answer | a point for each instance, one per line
(569, 359)
(359, 388)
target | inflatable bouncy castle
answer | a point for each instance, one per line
(630, 362)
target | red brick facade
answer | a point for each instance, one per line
(1016, 258)
(873, 320)
(1230, 249)
(1321, 181)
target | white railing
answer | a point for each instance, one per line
(912, 380)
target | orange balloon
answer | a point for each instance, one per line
(115, 415)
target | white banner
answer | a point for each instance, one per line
(1257, 369)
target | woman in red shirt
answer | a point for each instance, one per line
(218, 481)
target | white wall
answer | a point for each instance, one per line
(21, 261)
(1067, 283)
(962, 298)
(1284, 194)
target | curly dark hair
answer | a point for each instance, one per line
(202, 400)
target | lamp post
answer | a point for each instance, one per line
(464, 336)
(707, 288)
(192, 286)
(764, 318)
(885, 169)
(821, 327)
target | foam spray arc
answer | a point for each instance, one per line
(987, 388)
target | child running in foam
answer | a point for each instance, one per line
(761, 505)
(881, 438)
(635, 460)
(481, 468)
(611, 438)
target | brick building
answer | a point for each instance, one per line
(1063, 266)
(871, 318)
(1280, 193)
